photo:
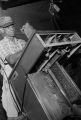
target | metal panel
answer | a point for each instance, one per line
(48, 95)
(17, 83)
(31, 54)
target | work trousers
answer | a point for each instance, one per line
(3, 115)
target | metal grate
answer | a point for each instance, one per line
(65, 81)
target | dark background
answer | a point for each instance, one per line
(37, 13)
(70, 15)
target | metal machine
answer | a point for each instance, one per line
(42, 86)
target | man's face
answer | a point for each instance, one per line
(10, 31)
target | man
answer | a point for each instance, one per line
(10, 50)
(12, 47)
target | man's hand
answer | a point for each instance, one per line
(28, 30)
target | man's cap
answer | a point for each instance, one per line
(6, 21)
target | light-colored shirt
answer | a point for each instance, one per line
(8, 47)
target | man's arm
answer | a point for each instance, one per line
(14, 57)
